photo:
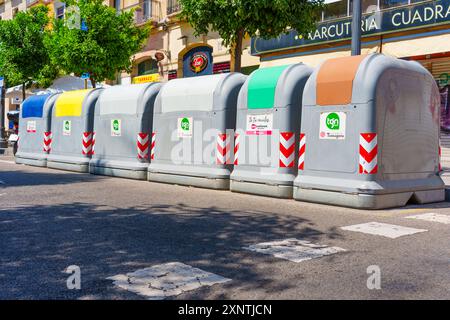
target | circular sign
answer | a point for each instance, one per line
(199, 62)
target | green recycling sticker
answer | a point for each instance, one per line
(67, 127)
(116, 128)
(332, 125)
(185, 127)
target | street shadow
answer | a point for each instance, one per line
(42, 176)
(40, 242)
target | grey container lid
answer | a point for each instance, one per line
(126, 99)
(204, 93)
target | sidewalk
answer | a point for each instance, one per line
(6, 151)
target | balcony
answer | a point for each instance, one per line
(32, 2)
(173, 7)
(146, 10)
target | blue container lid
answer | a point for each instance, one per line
(33, 106)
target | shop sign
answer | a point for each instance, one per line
(154, 77)
(199, 62)
(381, 22)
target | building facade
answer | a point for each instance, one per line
(172, 48)
(407, 29)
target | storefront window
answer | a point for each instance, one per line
(335, 9)
(386, 4)
(149, 66)
(367, 6)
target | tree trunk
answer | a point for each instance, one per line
(94, 84)
(237, 54)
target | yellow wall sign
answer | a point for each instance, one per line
(70, 103)
(154, 77)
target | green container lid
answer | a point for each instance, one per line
(262, 86)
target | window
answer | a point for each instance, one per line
(386, 4)
(60, 12)
(367, 6)
(147, 7)
(335, 9)
(149, 66)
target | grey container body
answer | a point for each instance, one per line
(398, 100)
(258, 168)
(66, 151)
(116, 151)
(31, 144)
(209, 104)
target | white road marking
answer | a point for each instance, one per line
(294, 250)
(433, 217)
(383, 229)
(166, 280)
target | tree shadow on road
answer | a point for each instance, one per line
(39, 242)
(18, 178)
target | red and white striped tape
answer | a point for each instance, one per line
(287, 149)
(87, 143)
(152, 147)
(223, 154)
(143, 144)
(93, 144)
(47, 141)
(368, 152)
(237, 139)
(301, 152)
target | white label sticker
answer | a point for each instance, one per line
(31, 126)
(116, 128)
(332, 125)
(185, 127)
(67, 127)
(259, 124)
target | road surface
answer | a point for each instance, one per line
(50, 220)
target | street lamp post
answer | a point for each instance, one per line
(356, 28)
(3, 142)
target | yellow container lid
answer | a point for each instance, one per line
(70, 103)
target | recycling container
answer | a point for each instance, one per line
(72, 129)
(123, 127)
(193, 126)
(35, 134)
(370, 134)
(267, 133)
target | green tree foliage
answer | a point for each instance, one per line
(104, 49)
(233, 19)
(23, 57)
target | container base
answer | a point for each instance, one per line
(120, 173)
(368, 201)
(274, 191)
(31, 162)
(74, 167)
(199, 182)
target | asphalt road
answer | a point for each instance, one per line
(52, 219)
